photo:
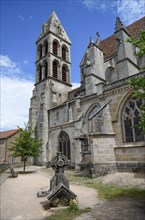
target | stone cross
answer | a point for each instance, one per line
(59, 163)
(59, 193)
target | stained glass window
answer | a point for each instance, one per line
(131, 116)
(64, 144)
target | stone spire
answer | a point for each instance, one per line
(119, 25)
(54, 25)
(98, 39)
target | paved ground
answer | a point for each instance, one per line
(19, 200)
(117, 209)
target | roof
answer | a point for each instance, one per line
(109, 46)
(53, 25)
(7, 134)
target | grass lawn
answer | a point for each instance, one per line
(106, 192)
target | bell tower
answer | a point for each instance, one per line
(53, 52)
(52, 81)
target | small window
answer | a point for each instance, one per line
(46, 69)
(64, 70)
(64, 50)
(40, 72)
(55, 69)
(57, 115)
(40, 51)
(84, 144)
(55, 48)
(110, 75)
(45, 47)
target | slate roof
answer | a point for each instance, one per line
(109, 45)
(8, 134)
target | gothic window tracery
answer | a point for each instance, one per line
(130, 119)
(64, 144)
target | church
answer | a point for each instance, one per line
(92, 125)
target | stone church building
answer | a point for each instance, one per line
(93, 124)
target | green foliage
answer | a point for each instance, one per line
(65, 214)
(111, 191)
(105, 191)
(73, 205)
(138, 85)
(25, 145)
(139, 43)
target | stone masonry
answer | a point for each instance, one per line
(92, 124)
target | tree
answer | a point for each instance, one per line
(25, 145)
(138, 83)
(139, 43)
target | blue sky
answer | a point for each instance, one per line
(21, 23)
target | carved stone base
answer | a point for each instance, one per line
(60, 196)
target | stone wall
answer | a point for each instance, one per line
(130, 158)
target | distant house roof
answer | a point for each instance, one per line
(109, 45)
(7, 134)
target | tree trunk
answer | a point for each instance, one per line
(24, 165)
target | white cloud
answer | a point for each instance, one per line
(9, 68)
(25, 61)
(75, 85)
(15, 95)
(21, 17)
(99, 5)
(6, 62)
(128, 10)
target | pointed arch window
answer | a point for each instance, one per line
(130, 119)
(64, 144)
(45, 47)
(96, 123)
(110, 75)
(64, 71)
(45, 70)
(40, 51)
(55, 48)
(40, 72)
(55, 69)
(64, 52)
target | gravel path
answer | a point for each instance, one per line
(19, 200)
(116, 209)
(134, 180)
(119, 208)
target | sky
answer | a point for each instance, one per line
(21, 24)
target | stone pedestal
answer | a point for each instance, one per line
(59, 193)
